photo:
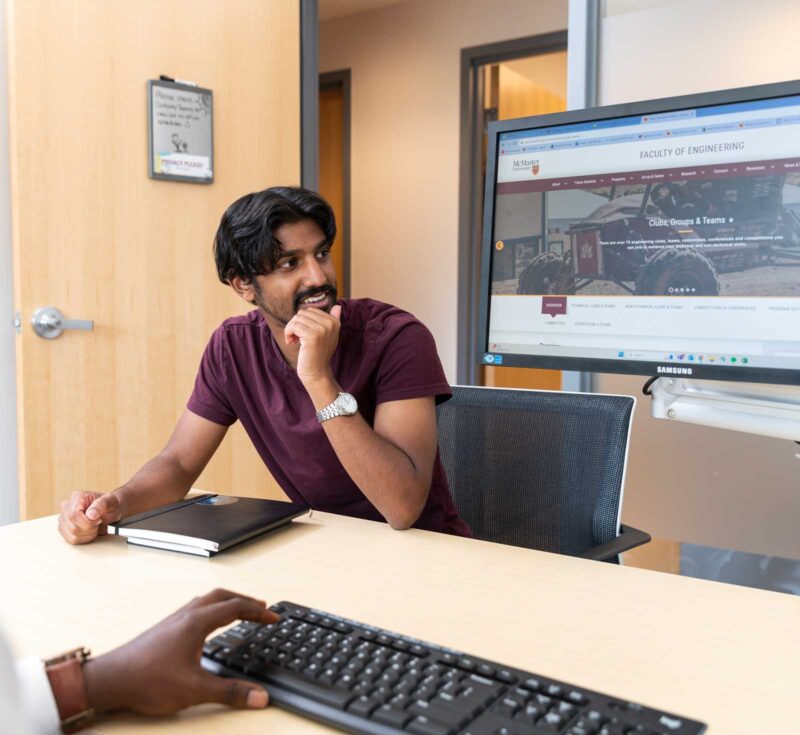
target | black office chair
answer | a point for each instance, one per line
(539, 469)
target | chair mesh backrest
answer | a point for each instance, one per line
(535, 468)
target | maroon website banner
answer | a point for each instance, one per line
(720, 171)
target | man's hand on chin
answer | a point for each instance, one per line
(318, 334)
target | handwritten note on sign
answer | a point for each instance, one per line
(181, 132)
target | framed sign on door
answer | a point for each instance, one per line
(181, 132)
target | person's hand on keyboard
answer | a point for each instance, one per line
(159, 672)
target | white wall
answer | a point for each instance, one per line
(694, 484)
(405, 62)
(9, 500)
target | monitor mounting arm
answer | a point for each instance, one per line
(750, 407)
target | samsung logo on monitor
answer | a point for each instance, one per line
(674, 370)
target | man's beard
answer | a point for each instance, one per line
(284, 315)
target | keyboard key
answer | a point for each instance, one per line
(423, 726)
(528, 714)
(296, 664)
(424, 692)
(611, 730)
(576, 697)
(491, 724)
(445, 715)
(554, 719)
(516, 698)
(390, 716)
(209, 649)
(312, 670)
(533, 684)
(400, 700)
(669, 723)
(382, 692)
(506, 676)
(223, 654)
(486, 670)
(505, 709)
(363, 706)
(406, 685)
(346, 681)
(471, 700)
(229, 640)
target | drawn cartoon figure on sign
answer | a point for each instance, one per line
(181, 146)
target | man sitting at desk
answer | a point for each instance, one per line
(338, 397)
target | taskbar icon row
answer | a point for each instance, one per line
(687, 357)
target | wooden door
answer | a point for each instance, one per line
(333, 149)
(96, 238)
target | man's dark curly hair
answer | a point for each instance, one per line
(245, 243)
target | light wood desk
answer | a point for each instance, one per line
(725, 655)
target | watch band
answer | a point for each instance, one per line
(329, 412)
(65, 673)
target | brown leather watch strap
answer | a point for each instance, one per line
(65, 673)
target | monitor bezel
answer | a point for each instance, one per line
(780, 376)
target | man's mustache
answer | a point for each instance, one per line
(326, 289)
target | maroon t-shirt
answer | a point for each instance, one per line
(384, 354)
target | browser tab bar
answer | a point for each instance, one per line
(665, 116)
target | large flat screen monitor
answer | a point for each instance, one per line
(655, 238)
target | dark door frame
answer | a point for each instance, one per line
(335, 79)
(309, 94)
(470, 199)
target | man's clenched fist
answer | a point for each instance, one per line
(85, 516)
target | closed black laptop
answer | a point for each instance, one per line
(206, 524)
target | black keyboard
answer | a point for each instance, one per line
(364, 680)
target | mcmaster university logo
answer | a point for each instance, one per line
(670, 370)
(526, 164)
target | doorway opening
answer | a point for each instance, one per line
(334, 165)
(518, 78)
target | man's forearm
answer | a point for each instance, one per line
(383, 472)
(160, 482)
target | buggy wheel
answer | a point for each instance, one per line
(544, 275)
(681, 272)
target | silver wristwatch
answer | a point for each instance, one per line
(343, 405)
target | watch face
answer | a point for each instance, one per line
(347, 404)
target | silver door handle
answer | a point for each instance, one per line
(48, 322)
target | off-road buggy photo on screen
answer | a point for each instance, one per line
(671, 238)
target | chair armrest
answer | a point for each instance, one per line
(629, 537)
